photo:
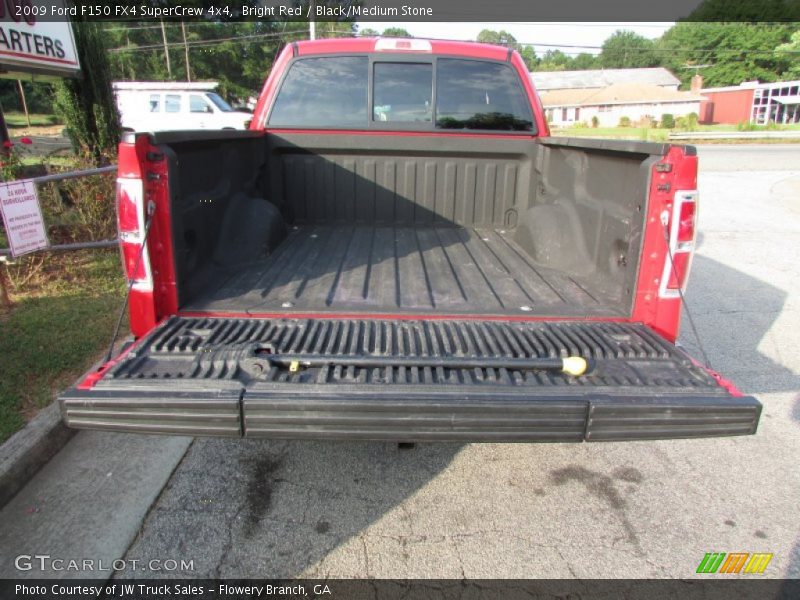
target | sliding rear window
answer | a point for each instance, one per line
(424, 93)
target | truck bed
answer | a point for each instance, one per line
(394, 269)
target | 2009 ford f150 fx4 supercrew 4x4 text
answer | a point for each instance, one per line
(398, 250)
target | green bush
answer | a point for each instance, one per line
(691, 121)
(595, 122)
(80, 209)
(86, 104)
(624, 122)
(746, 126)
(668, 121)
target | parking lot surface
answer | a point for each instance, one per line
(249, 508)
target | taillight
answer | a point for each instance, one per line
(682, 229)
(130, 258)
(130, 208)
(131, 225)
(686, 221)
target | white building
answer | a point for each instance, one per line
(636, 101)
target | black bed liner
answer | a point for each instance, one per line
(384, 269)
(213, 376)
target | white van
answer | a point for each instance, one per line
(162, 106)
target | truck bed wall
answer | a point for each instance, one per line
(575, 207)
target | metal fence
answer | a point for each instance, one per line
(72, 175)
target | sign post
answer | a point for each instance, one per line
(22, 217)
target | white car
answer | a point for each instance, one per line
(162, 106)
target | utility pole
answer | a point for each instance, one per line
(166, 48)
(186, 53)
(24, 103)
(312, 24)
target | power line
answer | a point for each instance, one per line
(577, 49)
(202, 43)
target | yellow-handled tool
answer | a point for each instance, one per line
(570, 365)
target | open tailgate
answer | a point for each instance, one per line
(405, 380)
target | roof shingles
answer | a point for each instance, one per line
(618, 93)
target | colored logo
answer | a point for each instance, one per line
(734, 563)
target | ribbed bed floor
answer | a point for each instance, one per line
(399, 269)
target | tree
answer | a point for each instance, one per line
(396, 32)
(238, 55)
(734, 52)
(553, 60)
(86, 104)
(753, 11)
(368, 32)
(583, 61)
(627, 49)
(503, 38)
(790, 51)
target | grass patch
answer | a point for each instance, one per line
(65, 307)
(16, 119)
(620, 133)
(651, 134)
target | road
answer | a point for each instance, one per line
(286, 509)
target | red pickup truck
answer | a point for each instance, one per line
(398, 250)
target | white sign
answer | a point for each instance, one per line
(22, 217)
(33, 43)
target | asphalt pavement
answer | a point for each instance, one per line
(247, 508)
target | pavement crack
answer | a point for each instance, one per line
(567, 563)
(228, 546)
(366, 558)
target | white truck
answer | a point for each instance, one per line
(169, 106)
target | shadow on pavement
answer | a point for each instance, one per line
(275, 508)
(733, 313)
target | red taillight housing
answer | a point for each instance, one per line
(682, 228)
(131, 225)
(130, 207)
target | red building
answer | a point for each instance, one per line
(752, 102)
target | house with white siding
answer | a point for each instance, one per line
(609, 94)
(636, 101)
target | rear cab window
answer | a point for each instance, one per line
(391, 92)
(402, 92)
(480, 95)
(323, 92)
